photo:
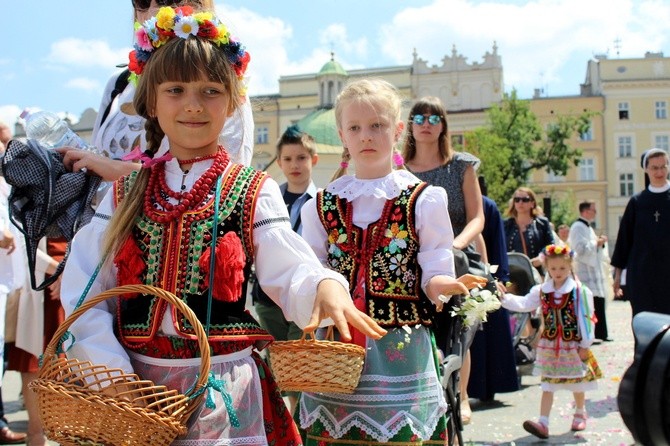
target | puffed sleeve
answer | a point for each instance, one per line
(522, 304)
(287, 268)
(436, 236)
(94, 338)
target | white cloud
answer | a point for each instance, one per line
(269, 39)
(265, 38)
(85, 53)
(536, 39)
(335, 36)
(9, 114)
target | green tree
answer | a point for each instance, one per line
(513, 144)
(563, 210)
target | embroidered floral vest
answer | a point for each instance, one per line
(171, 256)
(392, 273)
(560, 317)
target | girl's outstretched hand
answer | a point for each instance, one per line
(333, 301)
(471, 281)
(440, 288)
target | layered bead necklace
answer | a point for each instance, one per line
(159, 209)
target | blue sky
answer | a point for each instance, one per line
(58, 55)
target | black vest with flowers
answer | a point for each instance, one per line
(560, 317)
(174, 257)
(393, 294)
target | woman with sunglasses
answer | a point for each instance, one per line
(119, 130)
(428, 155)
(526, 230)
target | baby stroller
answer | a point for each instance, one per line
(453, 341)
(449, 338)
(525, 326)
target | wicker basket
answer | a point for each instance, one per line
(74, 411)
(310, 365)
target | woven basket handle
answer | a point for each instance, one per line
(330, 335)
(142, 289)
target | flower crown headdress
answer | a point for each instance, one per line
(557, 251)
(183, 22)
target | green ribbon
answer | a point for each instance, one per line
(219, 385)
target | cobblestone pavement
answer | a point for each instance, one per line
(499, 422)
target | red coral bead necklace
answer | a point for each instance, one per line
(160, 209)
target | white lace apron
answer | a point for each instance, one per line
(399, 387)
(212, 427)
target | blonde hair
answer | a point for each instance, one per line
(181, 60)
(556, 251)
(377, 92)
(433, 106)
(535, 212)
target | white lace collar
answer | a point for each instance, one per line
(388, 187)
(568, 285)
(658, 190)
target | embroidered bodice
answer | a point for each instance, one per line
(387, 251)
(174, 255)
(560, 315)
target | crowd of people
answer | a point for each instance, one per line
(372, 253)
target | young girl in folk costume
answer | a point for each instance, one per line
(564, 360)
(155, 228)
(390, 234)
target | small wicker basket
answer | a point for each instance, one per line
(130, 411)
(310, 365)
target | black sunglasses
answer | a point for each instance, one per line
(145, 4)
(524, 199)
(432, 119)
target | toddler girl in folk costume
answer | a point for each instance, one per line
(564, 360)
(155, 227)
(390, 234)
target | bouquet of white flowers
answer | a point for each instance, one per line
(476, 306)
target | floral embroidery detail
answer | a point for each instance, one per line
(393, 354)
(396, 238)
(335, 241)
(396, 287)
(398, 264)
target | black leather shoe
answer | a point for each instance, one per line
(8, 436)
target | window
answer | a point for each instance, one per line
(587, 135)
(661, 110)
(262, 134)
(626, 185)
(625, 144)
(662, 142)
(623, 110)
(587, 169)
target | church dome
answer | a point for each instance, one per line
(332, 67)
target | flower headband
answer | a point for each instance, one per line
(183, 22)
(557, 250)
